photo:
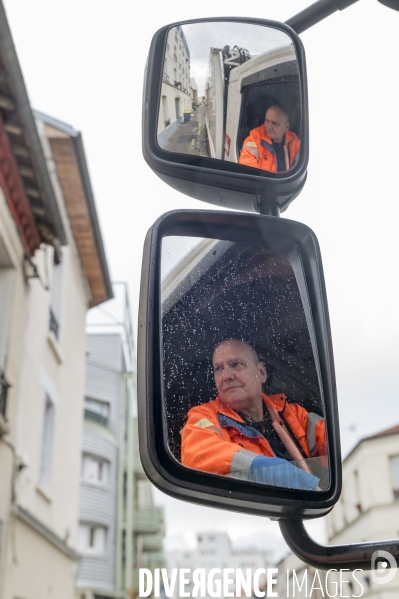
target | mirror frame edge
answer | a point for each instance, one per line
(196, 486)
(179, 170)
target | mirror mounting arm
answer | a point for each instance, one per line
(326, 557)
(267, 207)
(317, 12)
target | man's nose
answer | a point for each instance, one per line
(228, 373)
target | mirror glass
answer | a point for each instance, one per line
(242, 394)
(231, 91)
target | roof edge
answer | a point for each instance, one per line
(25, 111)
(84, 173)
(381, 435)
(77, 142)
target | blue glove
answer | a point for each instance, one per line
(280, 473)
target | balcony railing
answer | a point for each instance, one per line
(95, 417)
(165, 77)
(152, 542)
(148, 520)
(4, 386)
(54, 324)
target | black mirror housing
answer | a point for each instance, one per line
(161, 352)
(218, 181)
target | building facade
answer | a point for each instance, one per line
(119, 527)
(176, 88)
(214, 550)
(368, 510)
(106, 392)
(52, 270)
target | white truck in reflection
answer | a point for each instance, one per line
(240, 88)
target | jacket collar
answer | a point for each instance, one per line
(273, 401)
(289, 135)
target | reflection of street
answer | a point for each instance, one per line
(190, 136)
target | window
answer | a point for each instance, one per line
(165, 111)
(46, 451)
(143, 494)
(96, 410)
(56, 297)
(395, 476)
(95, 470)
(6, 284)
(92, 539)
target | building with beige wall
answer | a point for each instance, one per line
(368, 510)
(52, 270)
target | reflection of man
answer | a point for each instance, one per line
(271, 146)
(245, 430)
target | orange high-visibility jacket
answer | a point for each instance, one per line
(258, 150)
(216, 439)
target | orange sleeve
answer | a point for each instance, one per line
(249, 153)
(203, 444)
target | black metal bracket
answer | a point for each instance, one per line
(267, 207)
(317, 12)
(364, 556)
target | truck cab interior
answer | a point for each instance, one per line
(258, 96)
(244, 291)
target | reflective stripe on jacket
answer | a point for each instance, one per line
(216, 439)
(258, 151)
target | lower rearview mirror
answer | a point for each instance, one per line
(236, 390)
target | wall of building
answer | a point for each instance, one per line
(34, 553)
(105, 369)
(176, 91)
(214, 550)
(368, 510)
(124, 506)
(51, 382)
(13, 315)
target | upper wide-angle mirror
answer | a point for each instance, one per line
(236, 390)
(231, 91)
(225, 112)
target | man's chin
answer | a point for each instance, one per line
(233, 402)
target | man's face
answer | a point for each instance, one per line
(238, 377)
(276, 124)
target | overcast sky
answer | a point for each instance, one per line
(201, 37)
(83, 62)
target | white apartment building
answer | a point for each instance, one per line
(214, 550)
(120, 529)
(176, 88)
(52, 269)
(368, 510)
